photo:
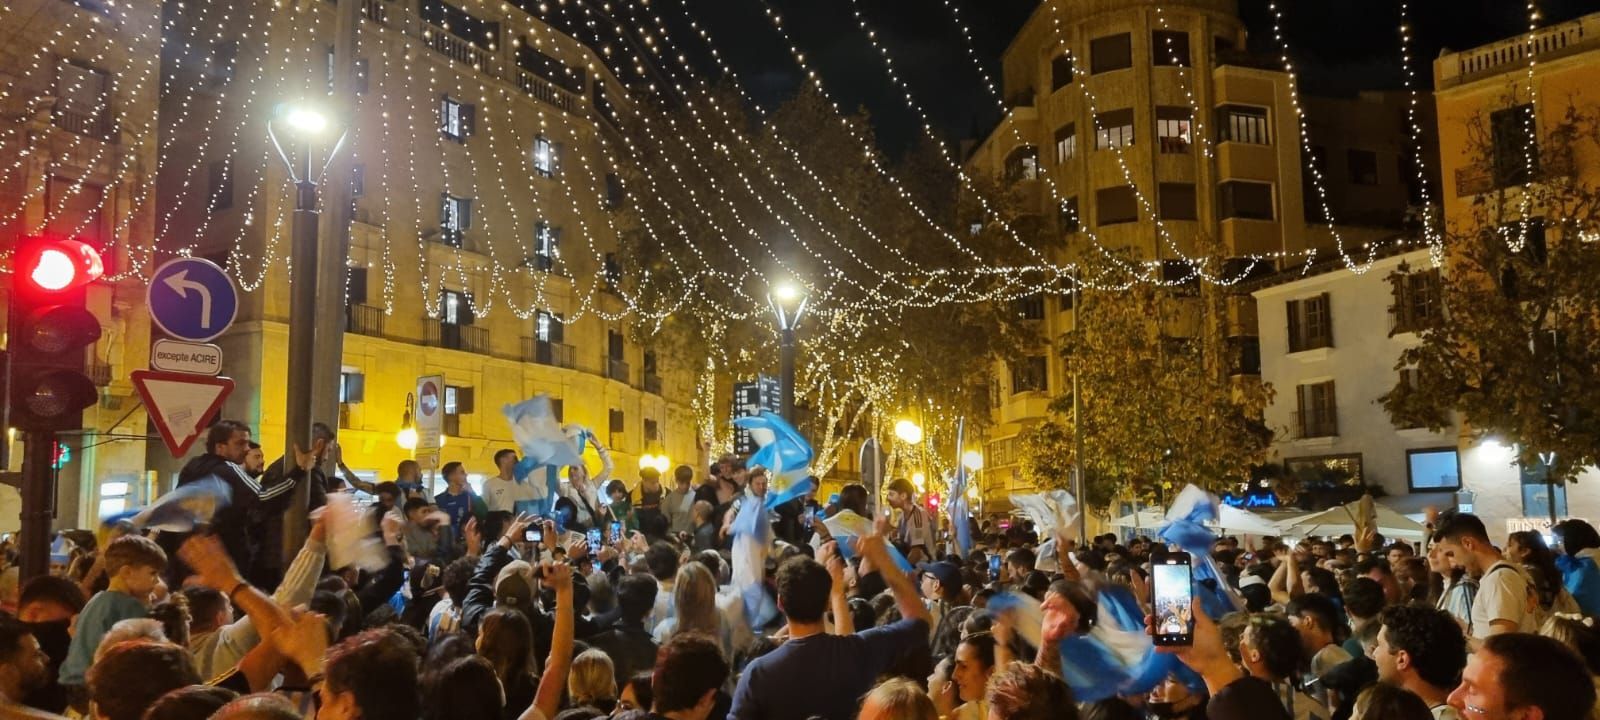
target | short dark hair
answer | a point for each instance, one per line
(502, 453)
(193, 702)
(984, 644)
(1320, 607)
(378, 667)
(1022, 557)
(408, 462)
(683, 473)
(803, 587)
(387, 486)
(222, 432)
(134, 551)
(1278, 642)
(636, 596)
(1327, 583)
(1433, 640)
(52, 589)
(457, 575)
(465, 687)
(902, 486)
(11, 632)
(853, 497)
(662, 559)
(1363, 598)
(449, 467)
(204, 604)
(416, 503)
(1577, 536)
(321, 431)
(687, 667)
(1373, 563)
(1021, 691)
(1453, 526)
(1543, 673)
(131, 675)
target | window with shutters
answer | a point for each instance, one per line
(1415, 302)
(546, 246)
(458, 401)
(1170, 48)
(455, 219)
(1023, 164)
(1177, 201)
(355, 286)
(1243, 124)
(1310, 323)
(455, 308)
(1070, 220)
(1030, 307)
(1030, 374)
(1318, 413)
(652, 431)
(352, 387)
(221, 184)
(1362, 166)
(1515, 155)
(1113, 52)
(544, 157)
(1411, 378)
(83, 99)
(1174, 129)
(1066, 142)
(1061, 71)
(618, 421)
(456, 119)
(1116, 205)
(1245, 200)
(549, 327)
(1113, 129)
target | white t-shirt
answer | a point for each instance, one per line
(1503, 594)
(1443, 711)
(503, 495)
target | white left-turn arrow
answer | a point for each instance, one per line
(181, 284)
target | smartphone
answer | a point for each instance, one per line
(1172, 596)
(994, 567)
(616, 532)
(596, 538)
(533, 535)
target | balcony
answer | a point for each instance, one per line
(376, 11)
(544, 91)
(616, 369)
(99, 372)
(553, 354)
(95, 125)
(467, 338)
(1511, 54)
(460, 50)
(363, 320)
(1318, 422)
(652, 383)
(1474, 179)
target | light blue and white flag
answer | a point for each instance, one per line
(180, 510)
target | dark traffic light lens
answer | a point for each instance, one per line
(62, 327)
(60, 393)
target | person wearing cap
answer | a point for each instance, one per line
(941, 591)
(914, 537)
(501, 578)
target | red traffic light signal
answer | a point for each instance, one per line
(52, 266)
(50, 329)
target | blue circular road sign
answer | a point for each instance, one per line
(192, 299)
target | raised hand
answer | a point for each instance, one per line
(209, 559)
(305, 641)
(830, 559)
(558, 576)
(473, 536)
(517, 529)
(303, 459)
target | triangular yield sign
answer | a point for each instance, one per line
(180, 404)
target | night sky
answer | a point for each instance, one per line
(1340, 45)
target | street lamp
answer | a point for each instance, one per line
(909, 432)
(295, 130)
(972, 460)
(788, 303)
(407, 437)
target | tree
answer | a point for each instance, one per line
(1159, 406)
(1515, 351)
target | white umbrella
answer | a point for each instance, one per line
(1238, 520)
(1342, 520)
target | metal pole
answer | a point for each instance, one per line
(38, 503)
(1077, 437)
(786, 374)
(302, 342)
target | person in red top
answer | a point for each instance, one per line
(914, 537)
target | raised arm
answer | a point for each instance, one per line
(607, 467)
(554, 680)
(839, 599)
(875, 548)
(210, 560)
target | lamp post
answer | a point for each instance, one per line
(788, 303)
(407, 437)
(301, 126)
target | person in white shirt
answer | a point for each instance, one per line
(580, 488)
(502, 492)
(1422, 650)
(1505, 601)
(679, 503)
(914, 537)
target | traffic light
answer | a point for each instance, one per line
(49, 329)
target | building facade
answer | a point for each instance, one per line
(482, 232)
(1485, 110)
(79, 84)
(1145, 126)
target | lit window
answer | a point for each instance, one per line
(1244, 125)
(456, 119)
(544, 156)
(1174, 129)
(1113, 129)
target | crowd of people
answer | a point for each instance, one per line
(618, 601)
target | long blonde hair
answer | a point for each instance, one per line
(694, 596)
(902, 699)
(592, 678)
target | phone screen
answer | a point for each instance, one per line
(532, 535)
(596, 538)
(1172, 590)
(994, 567)
(616, 532)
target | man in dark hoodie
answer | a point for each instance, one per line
(237, 524)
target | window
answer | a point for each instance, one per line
(614, 344)
(1030, 374)
(1362, 166)
(82, 99)
(1416, 300)
(1113, 52)
(612, 272)
(456, 308)
(652, 430)
(352, 387)
(1030, 307)
(618, 421)
(355, 286)
(1174, 129)
(1177, 201)
(1318, 414)
(114, 496)
(544, 157)
(615, 193)
(1515, 157)
(547, 246)
(1066, 142)
(1061, 71)
(1310, 323)
(1116, 205)
(1238, 123)
(1071, 221)
(548, 327)
(1023, 164)
(1246, 200)
(1113, 129)
(458, 401)
(1170, 47)
(223, 62)
(222, 184)
(649, 362)
(1340, 469)
(455, 218)
(456, 119)
(358, 179)
(1246, 355)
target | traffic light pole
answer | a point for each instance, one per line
(38, 502)
(302, 348)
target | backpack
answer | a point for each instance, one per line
(1531, 606)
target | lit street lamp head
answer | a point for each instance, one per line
(305, 119)
(786, 292)
(909, 432)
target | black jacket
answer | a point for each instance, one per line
(630, 646)
(239, 525)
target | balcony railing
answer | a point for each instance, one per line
(95, 125)
(99, 372)
(553, 354)
(615, 369)
(1318, 422)
(376, 11)
(363, 320)
(1474, 179)
(543, 90)
(652, 383)
(467, 338)
(458, 49)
